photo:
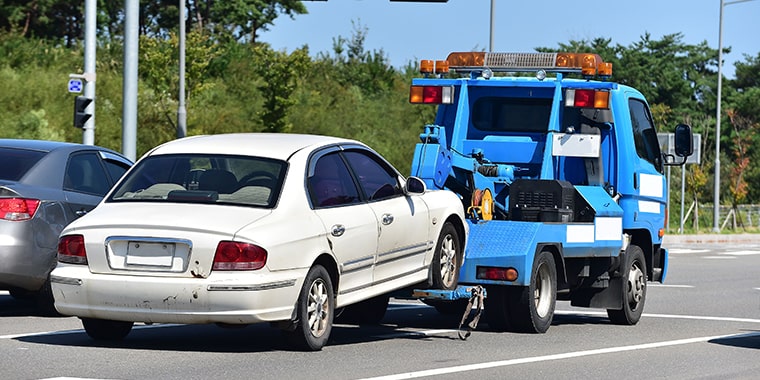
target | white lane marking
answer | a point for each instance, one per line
(686, 250)
(671, 316)
(567, 355)
(740, 253)
(656, 285)
(64, 332)
(719, 257)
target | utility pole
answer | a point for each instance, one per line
(181, 110)
(90, 13)
(131, 46)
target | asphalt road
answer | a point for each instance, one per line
(703, 323)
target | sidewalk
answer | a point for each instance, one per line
(675, 238)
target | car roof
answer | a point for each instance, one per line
(274, 145)
(38, 145)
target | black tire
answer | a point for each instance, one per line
(528, 309)
(634, 289)
(315, 311)
(446, 259)
(45, 301)
(20, 294)
(367, 312)
(103, 329)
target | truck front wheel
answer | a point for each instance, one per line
(526, 308)
(634, 292)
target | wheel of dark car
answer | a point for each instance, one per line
(446, 259)
(368, 312)
(634, 289)
(103, 329)
(315, 309)
(45, 301)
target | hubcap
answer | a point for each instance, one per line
(448, 260)
(636, 286)
(542, 294)
(317, 310)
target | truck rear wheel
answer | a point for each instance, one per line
(634, 288)
(527, 309)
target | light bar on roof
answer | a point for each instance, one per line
(585, 63)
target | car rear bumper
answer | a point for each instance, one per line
(26, 257)
(216, 299)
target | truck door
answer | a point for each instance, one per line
(649, 193)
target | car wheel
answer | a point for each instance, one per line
(634, 289)
(315, 309)
(21, 294)
(446, 259)
(367, 312)
(46, 302)
(102, 329)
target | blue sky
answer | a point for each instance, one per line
(413, 31)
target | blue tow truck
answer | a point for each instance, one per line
(561, 174)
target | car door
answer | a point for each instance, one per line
(349, 222)
(88, 178)
(403, 220)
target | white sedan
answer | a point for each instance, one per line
(246, 228)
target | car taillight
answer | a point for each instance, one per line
(231, 255)
(71, 249)
(18, 209)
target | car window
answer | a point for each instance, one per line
(195, 178)
(376, 179)
(331, 183)
(16, 162)
(85, 174)
(115, 169)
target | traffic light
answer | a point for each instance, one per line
(80, 115)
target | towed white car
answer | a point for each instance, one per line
(247, 228)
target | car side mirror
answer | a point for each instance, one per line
(415, 185)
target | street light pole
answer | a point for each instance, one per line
(716, 205)
(490, 38)
(181, 110)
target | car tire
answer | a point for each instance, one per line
(315, 311)
(634, 289)
(103, 329)
(46, 302)
(447, 259)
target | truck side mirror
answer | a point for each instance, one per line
(684, 141)
(684, 145)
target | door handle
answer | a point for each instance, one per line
(387, 219)
(80, 213)
(338, 230)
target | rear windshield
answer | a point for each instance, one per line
(500, 114)
(238, 180)
(16, 162)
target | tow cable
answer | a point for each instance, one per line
(477, 294)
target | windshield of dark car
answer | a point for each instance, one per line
(16, 162)
(195, 178)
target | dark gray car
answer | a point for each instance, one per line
(44, 185)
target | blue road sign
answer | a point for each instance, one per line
(75, 85)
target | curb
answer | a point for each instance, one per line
(711, 239)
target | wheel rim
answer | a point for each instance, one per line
(636, 285)
(542, 293)
(448, 260)
(317, 310)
